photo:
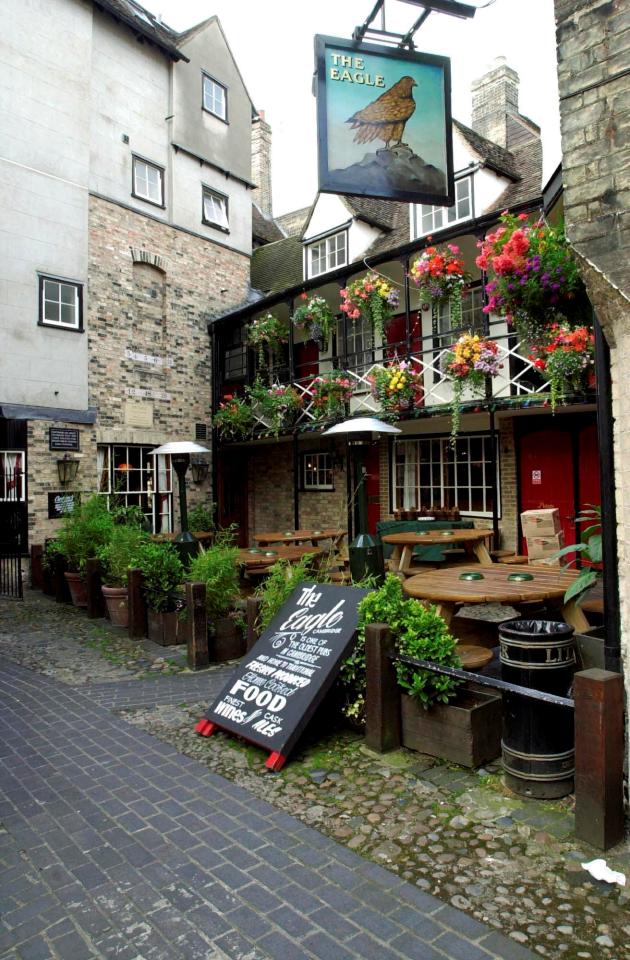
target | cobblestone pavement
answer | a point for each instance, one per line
(439, 830)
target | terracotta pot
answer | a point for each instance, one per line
(78, 589)
(163, 627)
(117, 602)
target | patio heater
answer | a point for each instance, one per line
(179, 452)
(366, 555)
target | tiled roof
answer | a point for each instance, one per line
(276, 266)
(398, 233)
(293, 223)
(529, 163)
(263, 228)
(141, 21)
(494, 156)
(380, 213)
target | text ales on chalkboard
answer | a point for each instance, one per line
(279, 684)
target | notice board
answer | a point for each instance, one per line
(279, 684)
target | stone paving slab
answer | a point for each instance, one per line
(115, 845)
(180, 688)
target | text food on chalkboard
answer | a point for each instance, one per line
(279, 684)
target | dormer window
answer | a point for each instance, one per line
(431, 219)
(327, 254)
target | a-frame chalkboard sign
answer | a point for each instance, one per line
(281, 681)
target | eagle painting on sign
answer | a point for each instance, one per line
(384, 122)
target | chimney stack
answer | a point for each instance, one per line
(261, 164)
(494, 100)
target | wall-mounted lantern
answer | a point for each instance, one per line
(199, 469)
(67, 469)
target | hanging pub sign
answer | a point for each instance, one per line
(279, 684)
(384, 122)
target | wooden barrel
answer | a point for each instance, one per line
(538, 741)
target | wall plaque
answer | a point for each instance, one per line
(63, 438)
(278, 685)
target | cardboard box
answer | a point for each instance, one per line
(540, 523)
(540, 547)
(546, 562)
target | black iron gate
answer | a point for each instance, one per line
(12, 516)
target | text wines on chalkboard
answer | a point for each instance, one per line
(279, 684)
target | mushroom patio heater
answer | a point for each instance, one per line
(366, 555)
(179, 452)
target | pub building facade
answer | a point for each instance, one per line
(129, 218)
(511, 453)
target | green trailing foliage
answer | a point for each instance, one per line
(200, 517)
(217, 567)
(120, 553)
(162, 571)
(419, 632)
(83, 533)
(276, 588)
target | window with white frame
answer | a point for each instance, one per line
(359, 343)
(60, 303)
(130, 477)
(214, 97)
(12, 475)
(327, 254)
(430, 219)
(471, 318)
(433, 472)
(215, 209)
(148, 181)
(317, 471)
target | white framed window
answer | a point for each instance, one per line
(129, 477)
(148, 181)
(432, 472)
(214, 209)
(214, 97)
(471, 319)
(60, 303)
(317, 471)
(429, 219)
(12, 475)
(327, 254)
(359, 344)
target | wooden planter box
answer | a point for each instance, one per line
(162, 628)
(466, 731)
(226, 641)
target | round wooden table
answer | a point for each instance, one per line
(473, 541)
(315, 536)
(259, 560)
(447, 590)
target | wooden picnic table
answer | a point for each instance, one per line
(260, 560)
(473, 541)
(447, 590)
(314, 536)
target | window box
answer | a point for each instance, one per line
(214, 209)
(214, 97)
(148, 182)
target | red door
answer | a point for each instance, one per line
(559, 467)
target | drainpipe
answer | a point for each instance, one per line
(612, 643)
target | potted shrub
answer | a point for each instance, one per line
(200, 518)
(217, 567)
(83, 534)
(162, 573)
(117, 556)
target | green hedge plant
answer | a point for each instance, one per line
(120, 553)
(162, 572)
(83, 533)
(217, 567)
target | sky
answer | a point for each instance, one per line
(272, 43)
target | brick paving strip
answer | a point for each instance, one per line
(115, 845)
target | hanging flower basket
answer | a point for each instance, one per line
(472, 359)
(398, 387)
(315, 316)
(566, 358)
(534, 276)
(330, 394)
(234, 418)
(267, 331)
(278, 406)
(372, 298)
(440, 275)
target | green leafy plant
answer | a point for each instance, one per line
(234, 418)
(83, 533)
(267, 331)
(162, 571)
(588, 549)
(278, 586)
(120, 552)
(315, 316)
(130, 516)
(330, 393)
(217, 567)
(200, 517)
(277, 405)
(419, 632)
